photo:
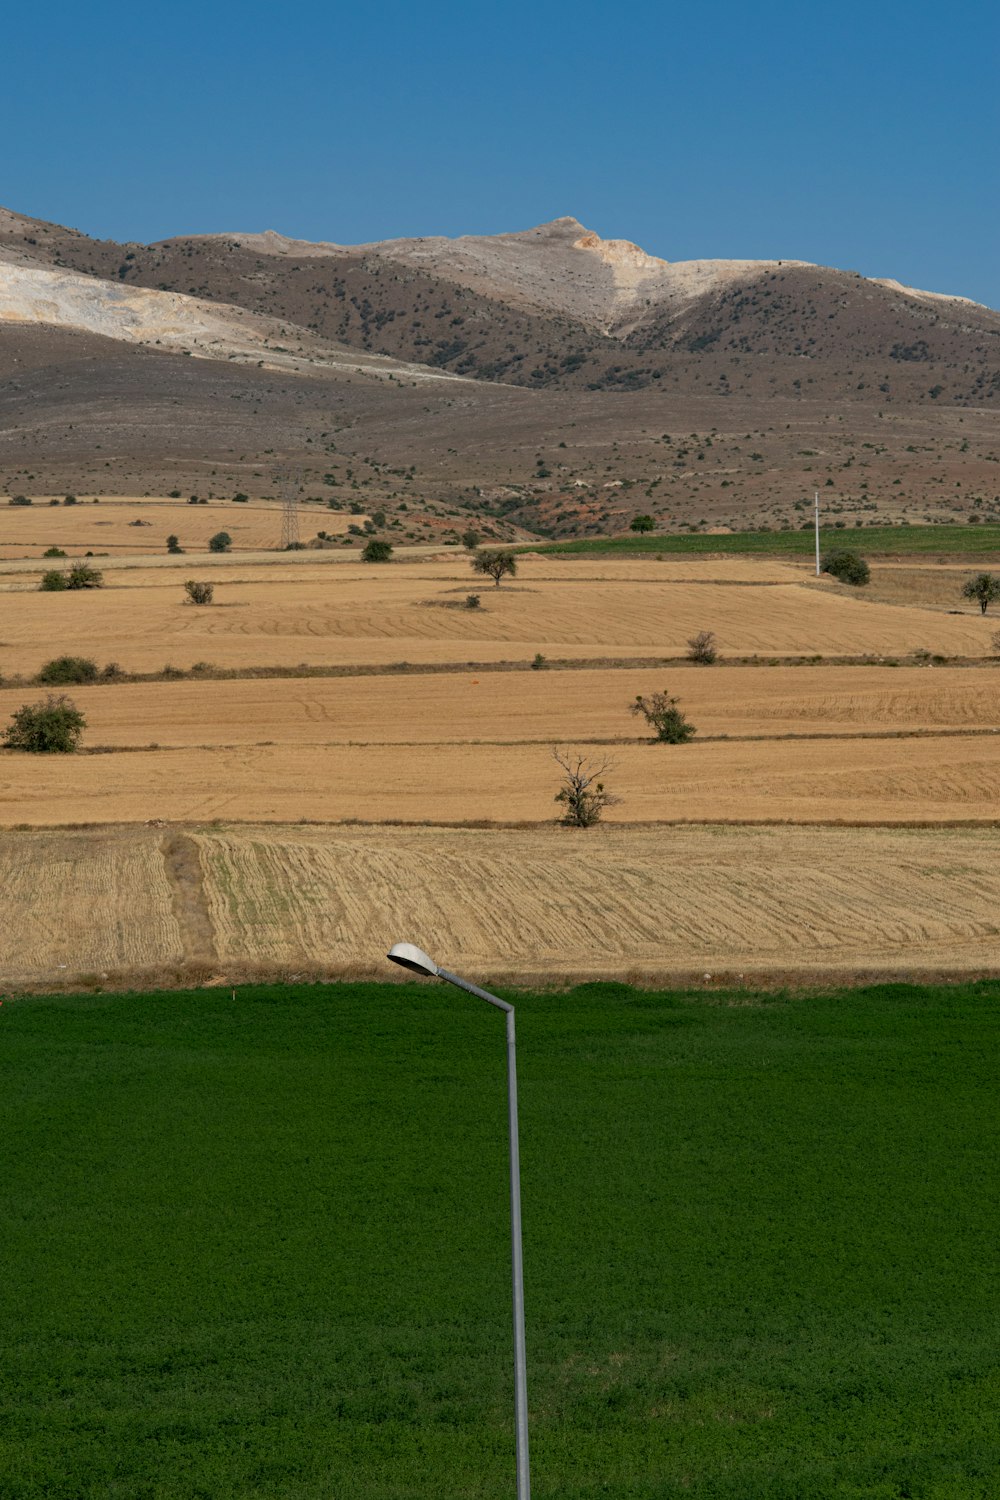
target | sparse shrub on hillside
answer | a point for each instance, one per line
(702, 648)
(64, 669)
(984, 589)
(53, 726)
(642, 523)
(377, 551)
(495, 564)
(220, 542)
(174, 545)
(582, 794)
(846, 567)
(174, 494)
(470, 540)
(661, 713)
(199, 593)
(239, 498)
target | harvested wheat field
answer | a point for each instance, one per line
(937, 779)
(133, 526)
(357, 614)
(611, 902)
(582, 706)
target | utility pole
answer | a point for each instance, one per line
(817, 533)
(288, 481)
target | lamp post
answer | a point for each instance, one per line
(413, 958)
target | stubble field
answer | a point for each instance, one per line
(843, 754)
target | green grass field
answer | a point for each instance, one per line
(870, 541)
(259, 1248)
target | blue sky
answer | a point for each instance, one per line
(864, 137)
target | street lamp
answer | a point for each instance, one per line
(410, 957)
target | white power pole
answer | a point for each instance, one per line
(817, 533)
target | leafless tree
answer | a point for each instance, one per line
(582, 794)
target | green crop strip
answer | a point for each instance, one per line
(259, 1247)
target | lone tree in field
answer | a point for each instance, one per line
(846, 567)
(495, 564)
(220, 542)
(582, 794)
(702, 648)
(642, 523)
(377, 551)
(173, 544)
(661, 713)
(984, 588)
(51, 727)
(199, 593)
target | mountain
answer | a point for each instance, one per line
(533, 375)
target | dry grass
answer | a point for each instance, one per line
(466, 708)
(928, 780)
(356, 614)
(26, 531)
(612, 902)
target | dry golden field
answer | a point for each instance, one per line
(337, 612)
(231, 773)
(133, 527)
(709, 903)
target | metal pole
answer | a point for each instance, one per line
(516, 1253)
(817, 533)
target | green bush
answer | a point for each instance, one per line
(68, 669)
(83, 576)
(846, 567)
(377, 551)
(174, 545)
(199, 593)
(470, 540)
(19, 500)
(53, 552)
(220, 542)
(661, 713)
(642, 523)
(53, 726)
(53, 582)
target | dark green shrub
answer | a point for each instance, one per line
(377, 551)
(69, 500)
(642, 523)
(174, 545)
(83, 576)
(53, 726)
(661, 713)
(64, 669)
(53, 582)
(473, 601)
(19, 500)
(220, 542)
(846, 567)
(470, 540)
(53, 552)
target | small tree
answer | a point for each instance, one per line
(220, 542)
(53, 726)
(642, 523)
(69, 500)
(68, 669)
(495, 564)
(846, 567)
(82, 576)
(470, 540)
(984, 588)
(173, 544)
(702, 648)
(583, 794)
(199, 593)
(377, 551)
(661, 713)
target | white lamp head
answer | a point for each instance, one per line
(410, 957)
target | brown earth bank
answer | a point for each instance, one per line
(722, 907)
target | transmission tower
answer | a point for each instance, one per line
(288, 484)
